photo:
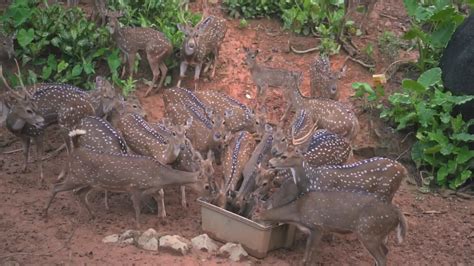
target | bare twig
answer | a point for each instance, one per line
(364, 64)
(403, 153)
(433, 212)
(296, 51)
(13, 151)
(388, 16)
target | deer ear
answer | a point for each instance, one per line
(257, 51)
(246, 49)
(182, 28)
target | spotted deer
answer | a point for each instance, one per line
(134, 174)
(7, 46)
(350, 6)
(380, 177)
(265, 77)
(323, 80)
(143, 139)
(132, 40)
(99, 12)
(327, 114)
(243, 118)
(238, 152)
(208, 130)
(260, 157)
(317, 212)
(61, 104)
(201, 41)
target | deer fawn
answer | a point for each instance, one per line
(137, 175)
(132, 40)
(323, 81)
(208, 130)
(340, 212)
(201, 41)
(265, 77)
(326, 113)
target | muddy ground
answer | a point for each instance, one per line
(441, 229)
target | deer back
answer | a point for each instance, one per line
(100, 135)
(243, 117)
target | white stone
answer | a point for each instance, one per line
(175, 243)
(111, 239)
(148, 240)
(204, 242)
(235, 252)
(129, 234)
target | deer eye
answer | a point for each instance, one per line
(257, 123)
(174, 134)
(29, 111)
(207, 187)
(283, 157)
(283, 139)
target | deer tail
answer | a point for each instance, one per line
(402, 227)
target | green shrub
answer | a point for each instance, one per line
(442, 144)
(59, 44)
(433, 23)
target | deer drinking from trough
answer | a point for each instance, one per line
(316, 212)
(132, 40)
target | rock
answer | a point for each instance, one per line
(129, 236)
(148, 240)
(175, 243)
(204, 242)
(111, 239)
(235, 252)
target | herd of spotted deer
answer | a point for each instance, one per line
(292, 173)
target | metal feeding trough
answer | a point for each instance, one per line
(256, 239)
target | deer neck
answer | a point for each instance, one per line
(297, 98)
(169, 176)
(288, 213)
(170, 154)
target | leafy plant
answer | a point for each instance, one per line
(370, 96)
(433, 23)
(57, 44)
(443, 140)
(389, 45)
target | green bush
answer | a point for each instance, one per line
(442, 144)
(59, 44)
(433, 23)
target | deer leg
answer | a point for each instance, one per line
(26, 142)
(314, 237)
(214, 62)
(131, 63)
(136, 196)
(164, 71)
(197, 73)
(182, 72)
(124, 60)
(161, 195)
(82, 194)
(106, 200)
(373, 245)
(183, 197)
(39, 156)
(59, 187)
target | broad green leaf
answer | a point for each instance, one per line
(466, 137)
(411, 6)
(25, 37)
(441, 175)
(441, 36)
(430, 77)
(412, 85)
(62, 65)
(463, 154)
(439, 137)
(76, 71)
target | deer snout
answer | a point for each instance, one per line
(217, 136)
(275, 151)
(271, 163)
(39, 123)
(182, 146)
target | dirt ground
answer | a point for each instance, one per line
(440, 229)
